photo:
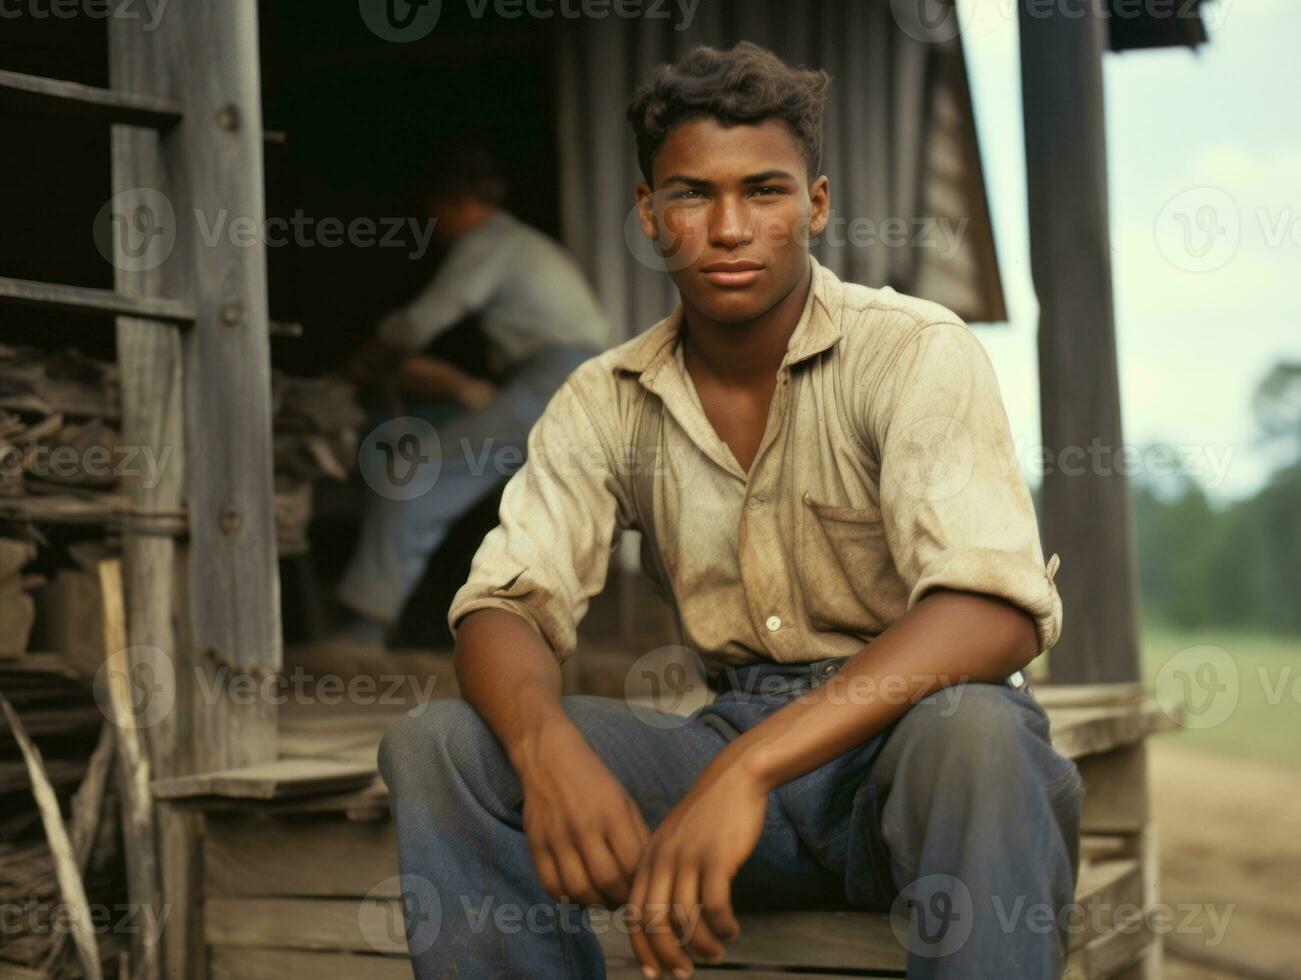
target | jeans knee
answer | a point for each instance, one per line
(975, 734)
(432, 742)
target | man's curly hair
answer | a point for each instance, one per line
(746, 84)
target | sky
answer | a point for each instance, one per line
(1204, 171)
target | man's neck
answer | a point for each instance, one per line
(744, 353)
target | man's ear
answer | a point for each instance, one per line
(646, 212)
(820, 212)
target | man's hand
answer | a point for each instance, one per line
(682, 895)
(431, 377)
(475, 393)
(584, 831)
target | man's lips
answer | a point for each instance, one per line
(732, 274)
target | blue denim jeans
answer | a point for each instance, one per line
(960, 818)
(398, 536)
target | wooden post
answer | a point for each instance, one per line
(204, 56)
(149, 356)
(234, 586)
(1086, 508)
(214, 607)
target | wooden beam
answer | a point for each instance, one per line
(1081, 732)
(114, 510)
(106, 303)
(92, 302)
(234, 589)
(269, 780)
(1087, 516)
(53, 96)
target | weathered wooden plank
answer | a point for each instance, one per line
(71, 888)
(54, 96)
(102, 509)
(61, 721)
(824, 940)
(366, 805)
(34, 665)
(348, 925)
(1077, 732)
(1089, 695)
(245, 854)
(92, 302)
(133, 772)
(232, 963)
(1115, 791)
(1109, 954)
(269, 780)
(87, 804)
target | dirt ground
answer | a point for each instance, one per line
(1230, 839)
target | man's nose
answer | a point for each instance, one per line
(730, 226)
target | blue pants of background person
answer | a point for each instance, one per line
(960, 816)
(398, 535)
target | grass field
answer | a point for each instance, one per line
(1260, 720)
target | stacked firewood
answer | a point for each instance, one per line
(61, 492)
(57, 416)
(17, 608)
(61, 456)
(317, 427)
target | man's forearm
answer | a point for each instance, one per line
(492, 645)
(430, 377)
(947, 638)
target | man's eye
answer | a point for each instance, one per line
(687, 195)
(767, 190)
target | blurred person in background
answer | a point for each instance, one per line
(477, 355)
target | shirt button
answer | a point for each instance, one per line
(774, 623)
(754, 503)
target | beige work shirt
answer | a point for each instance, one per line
(886, 470)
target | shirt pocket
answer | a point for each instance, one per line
(846, 573)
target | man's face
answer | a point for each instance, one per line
(732, 214)
(451, 217)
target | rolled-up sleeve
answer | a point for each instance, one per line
(550, 553)
(957, 511)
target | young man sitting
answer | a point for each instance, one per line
(828, 492)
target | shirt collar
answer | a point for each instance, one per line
(818, 329)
